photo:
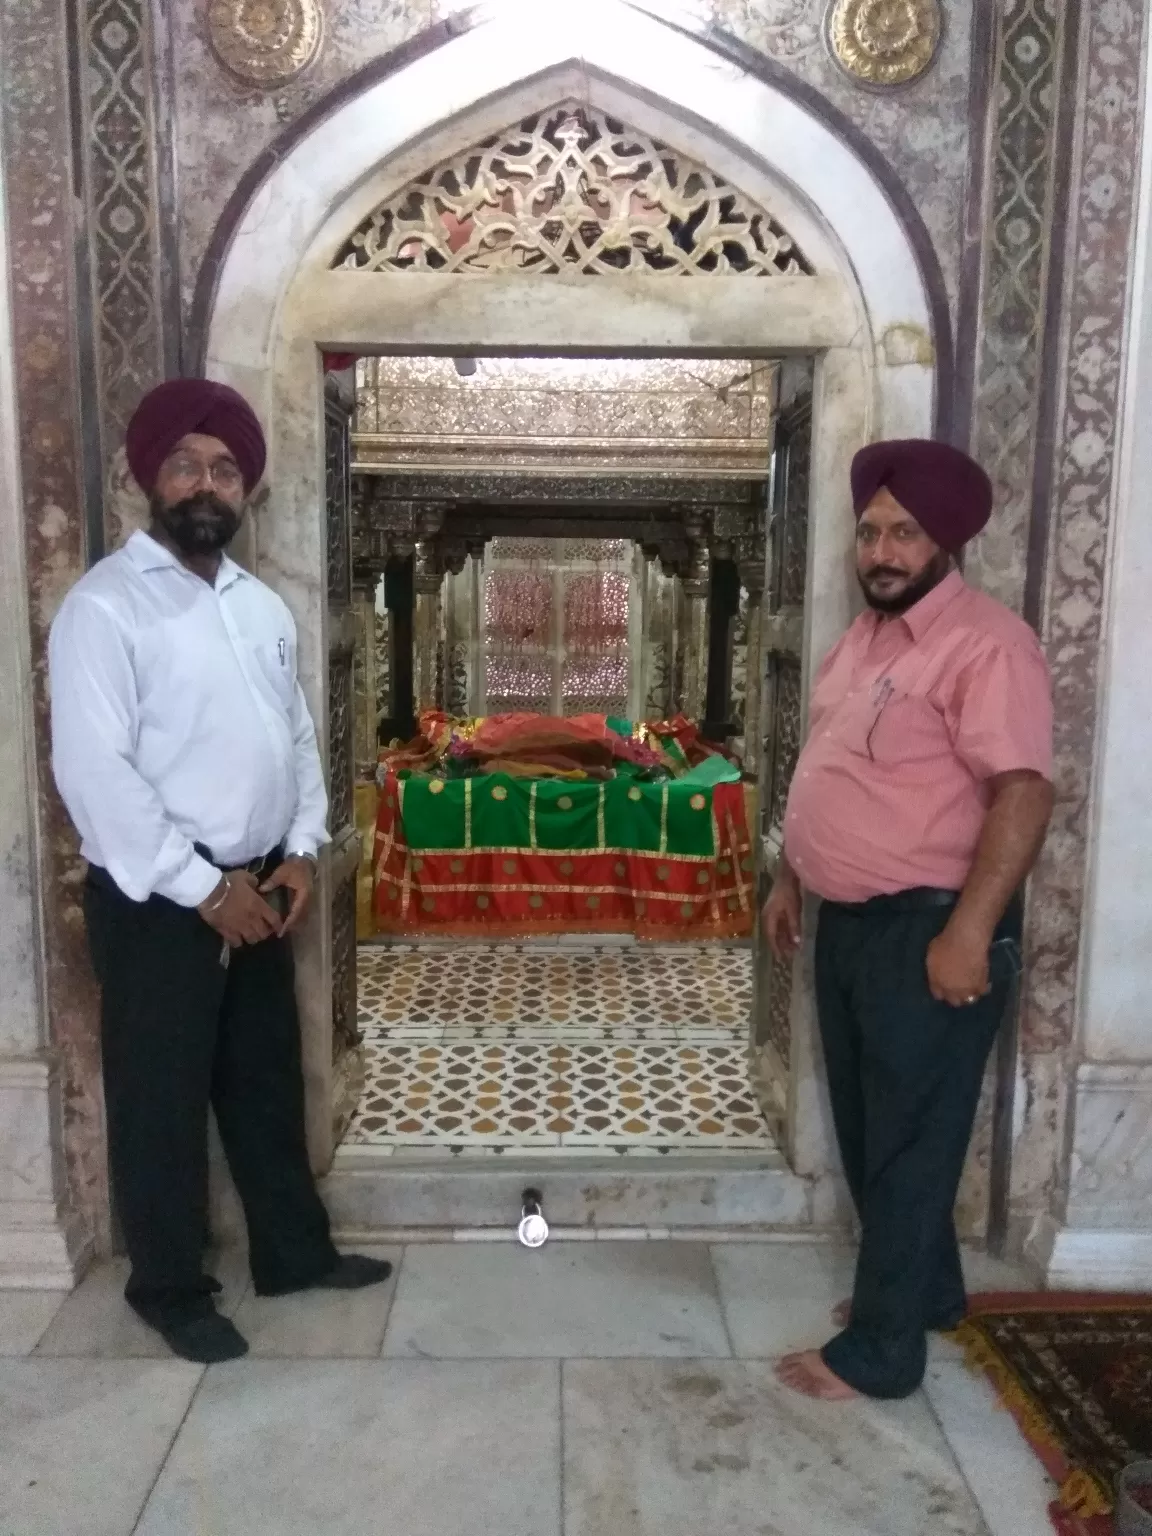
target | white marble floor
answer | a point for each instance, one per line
(588, 1389)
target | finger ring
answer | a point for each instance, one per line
(971, 1000)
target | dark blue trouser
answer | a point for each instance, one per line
(181, 1031)
(904, 1074)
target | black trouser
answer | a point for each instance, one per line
(181, 1030)
(904, 1073)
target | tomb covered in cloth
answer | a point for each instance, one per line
(518, 825)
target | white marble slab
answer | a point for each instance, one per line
(779, 1296)
(320, 1324)
(1009, 1483)
(653, 1448)
(24, 1315)
(81, 1441)
(600, 1299)
(347, 1448)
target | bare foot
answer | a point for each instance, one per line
(806, 1373)
(842, 1314)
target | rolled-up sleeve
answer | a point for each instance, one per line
(94, 726)
(1003, 715)
(309, 831)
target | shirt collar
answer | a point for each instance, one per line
(920, 618)
(147, 555)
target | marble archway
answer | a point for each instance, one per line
(865, 311)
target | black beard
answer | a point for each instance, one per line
(199, 525)
(931, 576)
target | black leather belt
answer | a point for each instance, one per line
(922, 898)
(260, 867)
(928, 898)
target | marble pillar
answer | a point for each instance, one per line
(1097, 1232)
(476, 634)
(429, 582)
(695, 588)
(639, 647)
(675, 642)
(43, 1241)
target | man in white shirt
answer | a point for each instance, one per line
(185, 754)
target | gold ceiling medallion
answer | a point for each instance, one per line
(572, 190)
(884, 42)
(265, 42)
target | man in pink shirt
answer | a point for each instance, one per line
(919, 804)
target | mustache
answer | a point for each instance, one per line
(203, 501)
(883, 570)
(199, 524)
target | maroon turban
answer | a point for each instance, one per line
(172, 410)
(947, 493)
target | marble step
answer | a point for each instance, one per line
(376, 1195)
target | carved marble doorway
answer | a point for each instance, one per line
(359, 265)
(507, 484)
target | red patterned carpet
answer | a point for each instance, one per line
(1075, 1370)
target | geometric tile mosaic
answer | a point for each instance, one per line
(502, 1047)
(493, 991)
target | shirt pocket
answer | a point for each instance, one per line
(276, 662)
(891, 726)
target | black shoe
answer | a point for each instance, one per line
(351, 1272)
(194, 1330)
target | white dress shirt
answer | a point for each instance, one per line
(177, 719)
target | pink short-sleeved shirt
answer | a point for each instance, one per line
(910, 717)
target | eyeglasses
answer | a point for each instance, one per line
(186, 470)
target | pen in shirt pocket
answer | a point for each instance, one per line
(282, 648)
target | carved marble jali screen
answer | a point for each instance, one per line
(556, 626)
(572, 190)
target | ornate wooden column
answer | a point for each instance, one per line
(366, 704)
(343, 859)
(782, 631)
(752, 580)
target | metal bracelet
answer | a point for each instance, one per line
(217, 904)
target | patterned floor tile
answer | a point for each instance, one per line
(452, 1093)
(663, 1095)
(485, 1049)
(666, 991)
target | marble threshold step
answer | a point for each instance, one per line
(674, 1194)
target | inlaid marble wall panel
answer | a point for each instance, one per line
(223, 121)
(41, 234)
(1071, 582)
(134, 332)
(1041, 342)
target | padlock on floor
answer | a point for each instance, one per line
(533, 1229)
